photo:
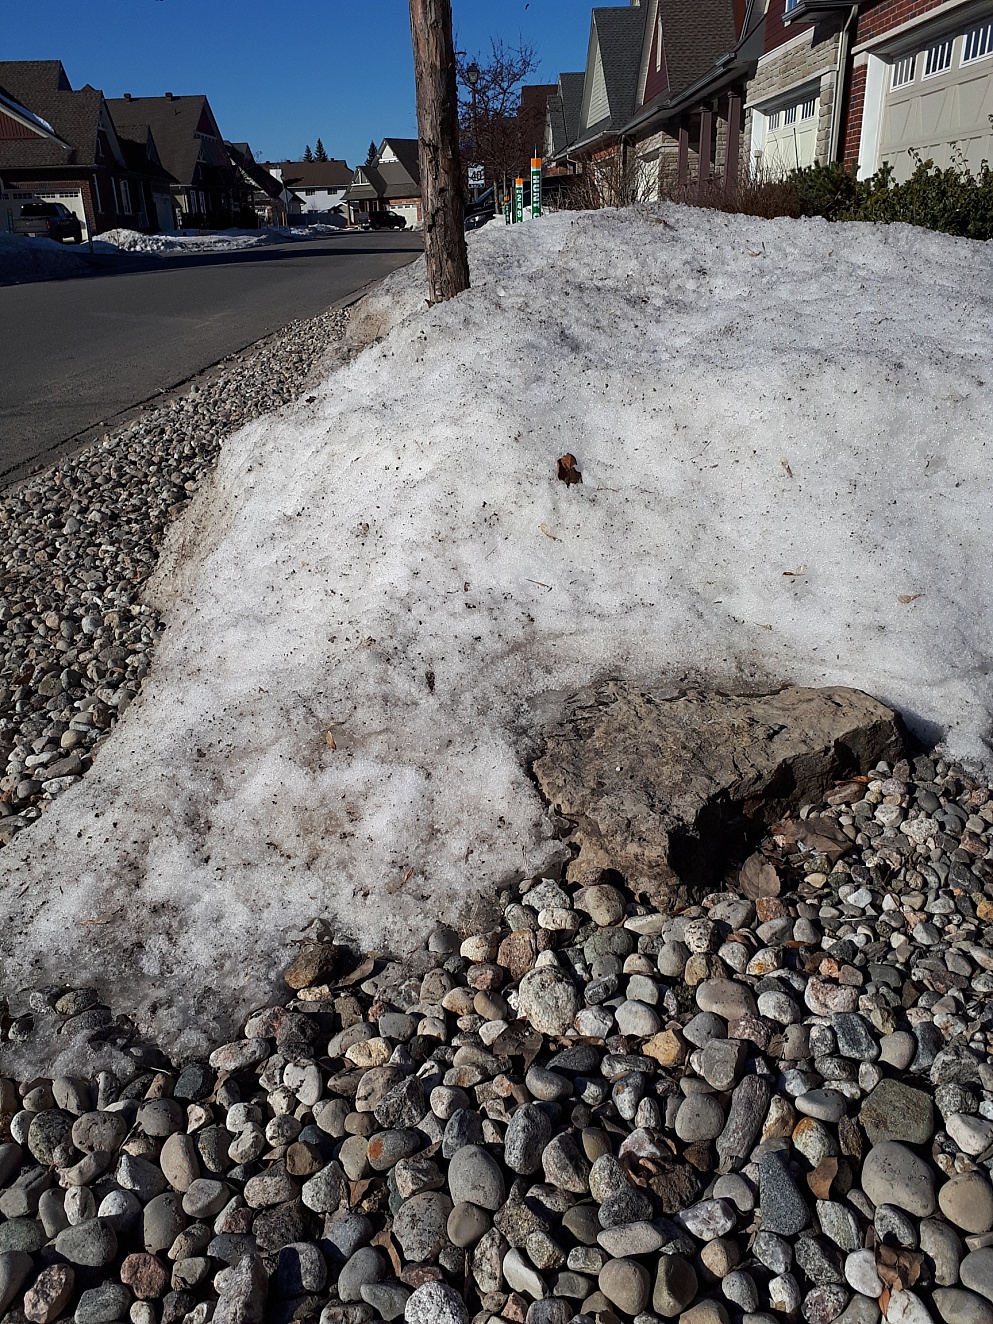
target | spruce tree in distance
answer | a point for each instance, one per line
(371, 154)
(319, 153)
(308, 155)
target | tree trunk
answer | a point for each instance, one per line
(443, 205)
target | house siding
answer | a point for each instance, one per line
(777, 32)
(12, 130)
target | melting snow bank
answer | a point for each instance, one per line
(25, 259)
(223, 241)
(782, 431)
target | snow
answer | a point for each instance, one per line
(24, 258)
(384, 593)
(195, 241)
(184, 241)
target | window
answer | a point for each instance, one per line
(978, 43)
(937, 58)
(774, 120)
(903, 71)
(125, 197)
(791, 5)
(789, 115)
(309, 192)
(808, 108)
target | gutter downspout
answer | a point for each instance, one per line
(844, 49)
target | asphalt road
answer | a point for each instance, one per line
(80, 354)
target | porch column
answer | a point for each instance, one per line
(733, 148)
(703, 168)
(683, 168)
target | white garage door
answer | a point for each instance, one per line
(938, 102)
(408, 210)
(791, 137)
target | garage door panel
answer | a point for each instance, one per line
(939, 117)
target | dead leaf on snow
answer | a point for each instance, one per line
(567, 471)
(546, 530)
(908, 597)
(329, 740)
(789, 471)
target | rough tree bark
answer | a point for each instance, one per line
(443, 204)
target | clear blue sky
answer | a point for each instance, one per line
(280, 75)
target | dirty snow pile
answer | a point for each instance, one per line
(24, 258)
(783, 434)
(223, 241)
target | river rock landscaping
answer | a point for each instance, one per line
(774, 1105)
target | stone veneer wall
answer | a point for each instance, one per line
(791, 66)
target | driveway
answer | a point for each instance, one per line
(80, 354)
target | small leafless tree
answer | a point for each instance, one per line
(492, 133)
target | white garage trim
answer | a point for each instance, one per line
(929, 88)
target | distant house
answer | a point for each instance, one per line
(266, 194)
(63, 145)
(391, 183)
(320, 185)
(209, 192)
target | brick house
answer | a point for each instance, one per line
(921, 80)
(663, 90)
(63, 145)
(693, 72)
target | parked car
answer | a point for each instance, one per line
(49, 220)
(475, 220)
(384, 220)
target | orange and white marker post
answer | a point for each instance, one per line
(536, 186)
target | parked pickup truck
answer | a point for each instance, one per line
(49, 220)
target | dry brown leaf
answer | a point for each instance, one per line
(758, 877)
(821, 1178)
(795, 574)
(908, 597)
(789, 471)
(547, 532)
(567, 471)
(356, 1190)
(362, 971)
(329, 740)
(384, 1240)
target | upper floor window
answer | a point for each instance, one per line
(938, 58)
(903, 71)
(978, 43)
(791, 5)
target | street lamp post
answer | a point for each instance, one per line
(472, 78)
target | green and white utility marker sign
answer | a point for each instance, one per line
(536, 186)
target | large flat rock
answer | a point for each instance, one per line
(662, 788)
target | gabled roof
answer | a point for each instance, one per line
(175, 122)
(142, 158)
(312, 174)
(42, 88)
(611, 70)
(562, 121)
(695, 34)
(257, 175)
(407, 153)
